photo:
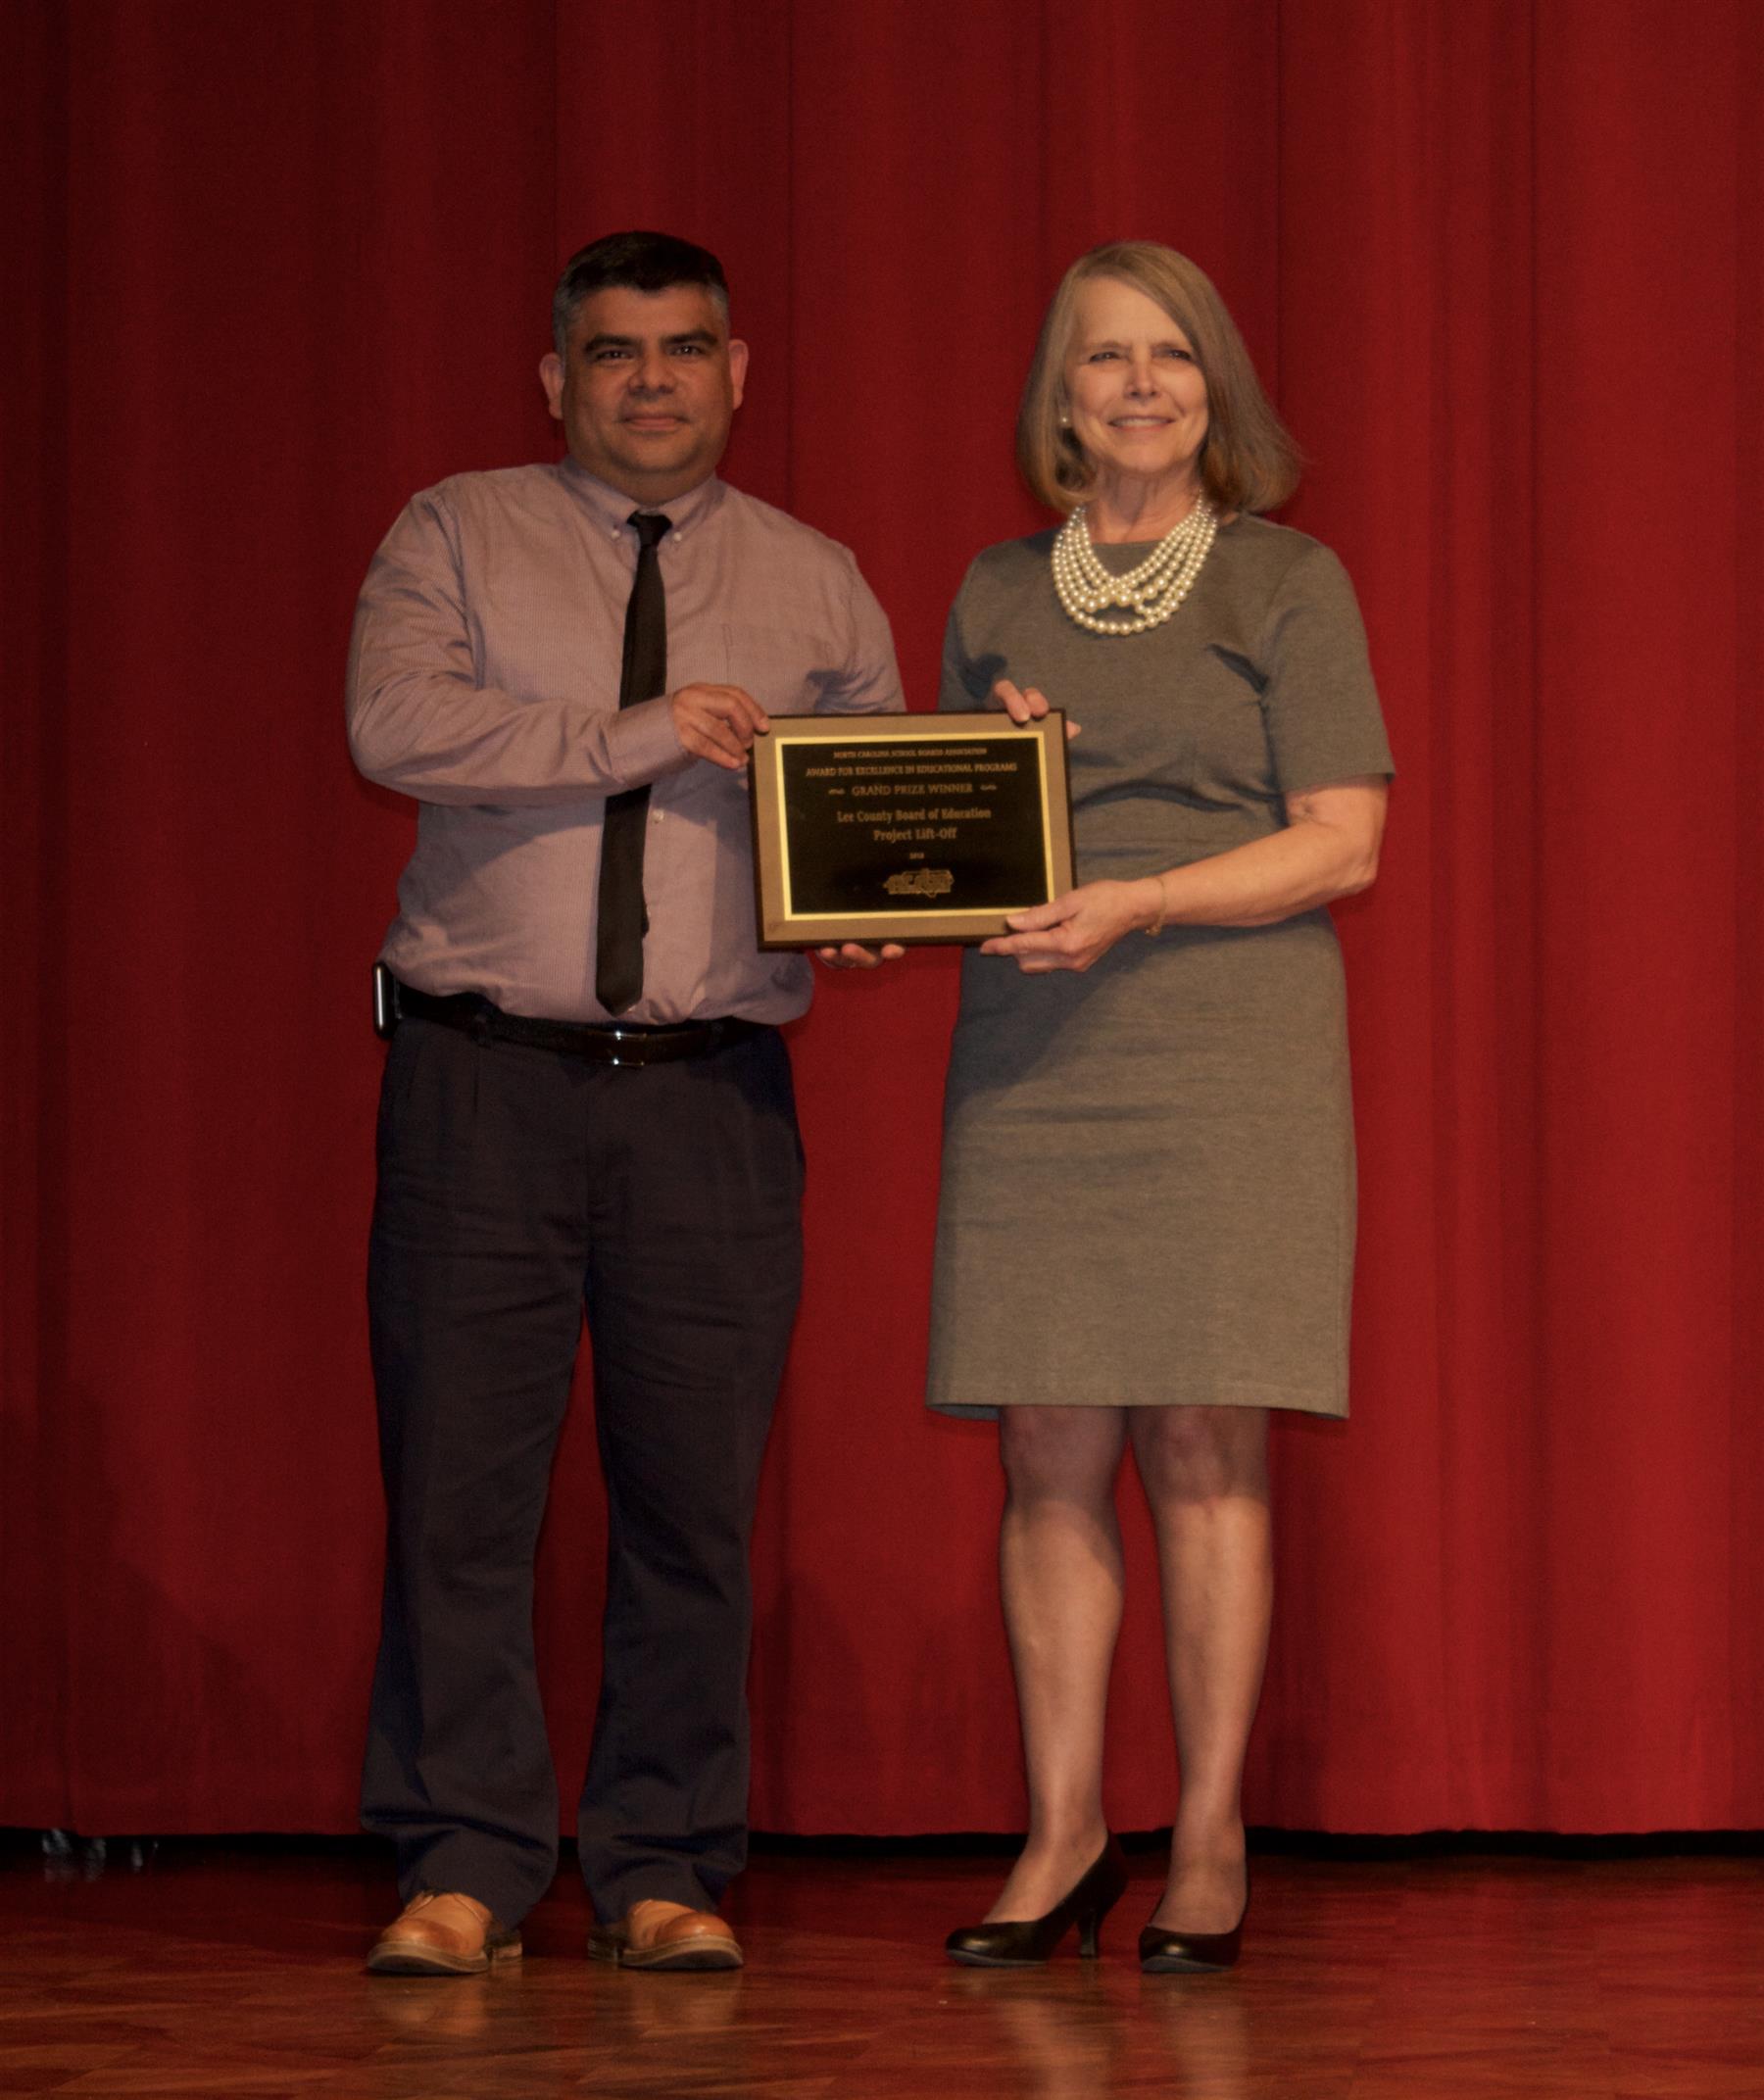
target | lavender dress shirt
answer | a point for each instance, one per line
(483, 680)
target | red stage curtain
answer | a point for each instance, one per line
(276, 267)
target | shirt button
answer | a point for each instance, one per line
(655, 816)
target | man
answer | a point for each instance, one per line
(587, 1100)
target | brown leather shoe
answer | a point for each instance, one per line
(654, 1934)
(442, 1935)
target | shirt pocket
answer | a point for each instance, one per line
(786, 670)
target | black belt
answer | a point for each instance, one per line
(625, 1043)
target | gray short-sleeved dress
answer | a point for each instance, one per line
(1147, 1176)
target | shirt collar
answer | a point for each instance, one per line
(611, 507)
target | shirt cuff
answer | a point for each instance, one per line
(640, 742)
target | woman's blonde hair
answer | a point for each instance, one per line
(1248, 462)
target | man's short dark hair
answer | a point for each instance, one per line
(638, 262)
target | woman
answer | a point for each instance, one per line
(1145, 1229)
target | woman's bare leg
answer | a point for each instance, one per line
(1205, 1473)
(1060, 1570)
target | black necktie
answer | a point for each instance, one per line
(621, 920)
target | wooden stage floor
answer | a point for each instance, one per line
(236, 1970)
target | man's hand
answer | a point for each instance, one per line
(718, 723)
(853, 955)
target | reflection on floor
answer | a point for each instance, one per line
(236, 1970)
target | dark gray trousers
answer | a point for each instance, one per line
(516, 1187)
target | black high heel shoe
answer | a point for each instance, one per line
(1025, 1942)
(1166, 1953)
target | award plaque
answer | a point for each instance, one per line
(906, 827)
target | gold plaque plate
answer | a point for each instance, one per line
(906, 827)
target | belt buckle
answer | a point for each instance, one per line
(619, 1035)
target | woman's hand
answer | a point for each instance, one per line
(1076, 929)
(1026, 703)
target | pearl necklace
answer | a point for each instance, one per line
(1149, 593)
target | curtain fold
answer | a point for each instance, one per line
(1501, 264)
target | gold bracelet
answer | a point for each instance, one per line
(1163, 911)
